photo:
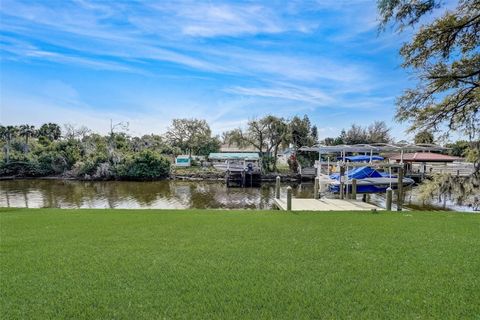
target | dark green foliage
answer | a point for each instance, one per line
(48, 163)
(144, 166)
(424, 137)
(20, 168)
(50, 131)
(377, 132)
(268, 162)
(465, 149)
(209, 145)
(83, 154)
(192, 136)
(301, 133)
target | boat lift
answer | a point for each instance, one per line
(370, 149)
(367, 149)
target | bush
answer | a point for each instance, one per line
(20, 168)
(146, 165)
(52, 163)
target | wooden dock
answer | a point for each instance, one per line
(326, 205)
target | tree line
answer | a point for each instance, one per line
(80, 153)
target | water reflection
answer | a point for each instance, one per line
(158, 194)
(128, 194)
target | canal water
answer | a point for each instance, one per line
(167, 194)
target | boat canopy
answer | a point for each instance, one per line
(361, 158)
(375, 147)
(234, 156)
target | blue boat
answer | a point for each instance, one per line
(369, 180)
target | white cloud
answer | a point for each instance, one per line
(281, 53)
(313, 96)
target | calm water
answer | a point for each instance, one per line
(159, 194)
(129, 194)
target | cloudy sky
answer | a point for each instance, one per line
(146, 62)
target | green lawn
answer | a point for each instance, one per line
(153, 264)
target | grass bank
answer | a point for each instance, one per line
(151, 264)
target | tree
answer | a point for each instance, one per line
(26, 131)
(424, 137)
(7, 134)
(314, 133)
(355, 135)
(50, 131)
(254, 135)
(445, 56)
(329, 141)
(378, 132)
(277, 131)
(207, 146)
(458, 148)
(188, 134)
(300, 132)
(73, 132)
(266, 135)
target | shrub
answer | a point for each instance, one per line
(146, 165)
(20, 168)
(51, 163)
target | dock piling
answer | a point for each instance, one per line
(389, 199)
(289, 198)
(400, 189)
(354, 189)
(277, 187)
(342, 182)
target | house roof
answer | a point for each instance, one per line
(424, 157)
(234, 156)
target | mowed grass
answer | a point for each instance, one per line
(153, 264)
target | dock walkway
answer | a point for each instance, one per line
(325, 204)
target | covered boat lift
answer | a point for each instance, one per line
(370, 151)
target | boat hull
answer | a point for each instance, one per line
(371, 185)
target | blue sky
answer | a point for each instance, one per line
(147, 62)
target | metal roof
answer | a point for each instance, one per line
(424, 157)
(375, 147)
(234, 156)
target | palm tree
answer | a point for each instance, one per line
(7, 134)
(51, 131)
(26, 131)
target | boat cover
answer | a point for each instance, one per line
(359, 173)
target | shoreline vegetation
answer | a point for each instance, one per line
(187, 174)
(216, 264)
(77, 152)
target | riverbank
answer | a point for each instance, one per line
(212, 174)
(189, 174)
(124, 264)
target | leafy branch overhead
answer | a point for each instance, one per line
(444, 55)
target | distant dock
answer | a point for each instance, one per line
(326, 205)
